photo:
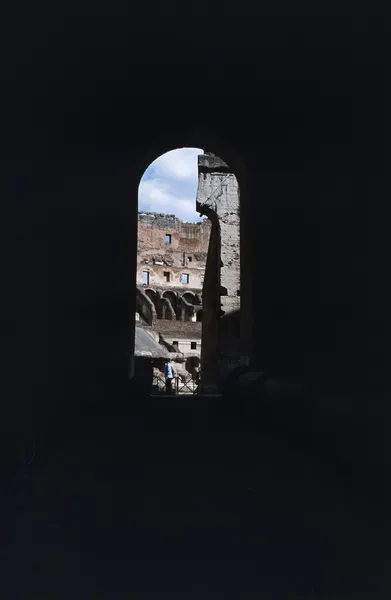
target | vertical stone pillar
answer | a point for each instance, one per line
(218, 199)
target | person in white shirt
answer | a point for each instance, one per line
(169, 375)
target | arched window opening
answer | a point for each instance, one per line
(189, 297)
(194, 253)
(151, 294)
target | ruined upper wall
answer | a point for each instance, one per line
(159, 220)
(185, 237)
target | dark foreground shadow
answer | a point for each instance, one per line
(190, 497)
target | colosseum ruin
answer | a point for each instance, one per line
(171, 260)
(188, 281)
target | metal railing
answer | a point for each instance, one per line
(180, 385)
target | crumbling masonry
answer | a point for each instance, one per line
(218, 199)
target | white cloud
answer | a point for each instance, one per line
(169, 185)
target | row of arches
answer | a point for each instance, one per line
(171, 305)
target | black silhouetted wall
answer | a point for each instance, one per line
(305, 141)
(297, 107)
(301, 124)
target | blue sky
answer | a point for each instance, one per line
(169, 185)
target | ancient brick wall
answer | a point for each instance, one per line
(179, 263)
(153, 228)
(168, 276)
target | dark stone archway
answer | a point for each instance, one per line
(294, 106)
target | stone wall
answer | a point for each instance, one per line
(185, 333)
(178, 329)
(218, 190)
(169, 276)
(179, 263)
(218, 198)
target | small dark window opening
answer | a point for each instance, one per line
(168, 238)
(166, 276)
(189, 259)
(223, 291)
(193, 345)
(175, 343)
(238, 292)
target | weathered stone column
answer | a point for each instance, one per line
(218, 199)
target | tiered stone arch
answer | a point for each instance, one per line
(189, 297)
(188, 302)
(172, 304)
(155, 298)
(151, 294)
(145, 306)
(171, 301)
